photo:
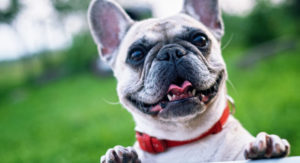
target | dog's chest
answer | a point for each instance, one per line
(226, 145)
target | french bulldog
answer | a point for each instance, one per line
(171, 77)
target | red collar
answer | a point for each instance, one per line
(153, 145)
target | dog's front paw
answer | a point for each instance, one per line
(267, 146)
(120, 154)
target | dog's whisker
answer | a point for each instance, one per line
(228, 42)
(111, 102)
(233, 87)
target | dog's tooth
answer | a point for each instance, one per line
(205, 99)
(169, 97)
(194, 92)
(173, 97)
(202, 97)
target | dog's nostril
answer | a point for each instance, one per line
(171, 53)
(179, 53)
(164, 57)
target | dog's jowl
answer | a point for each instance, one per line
(171, 78)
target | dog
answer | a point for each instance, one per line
(171, 77)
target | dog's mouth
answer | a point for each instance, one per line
(181, 92)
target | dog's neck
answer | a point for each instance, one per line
(184, 130)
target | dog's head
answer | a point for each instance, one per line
(168, 69)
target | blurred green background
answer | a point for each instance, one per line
(59, 106)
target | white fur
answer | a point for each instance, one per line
(227, 145)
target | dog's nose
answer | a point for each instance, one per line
(170, 52)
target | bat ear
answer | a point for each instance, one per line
(108, 23)
(208, 12)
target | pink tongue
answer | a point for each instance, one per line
(156, 108)
(175, 89)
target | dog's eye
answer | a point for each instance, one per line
(200, 40)
(136, 55)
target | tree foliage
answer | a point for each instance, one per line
(9, 14)
(67, 6)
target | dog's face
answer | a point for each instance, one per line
(168, 69)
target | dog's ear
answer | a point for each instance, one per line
(208, 12)
(108, 23)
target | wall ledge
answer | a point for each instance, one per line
(295, 159)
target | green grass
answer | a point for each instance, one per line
(267, 96)
(73, 120)
(66, 121)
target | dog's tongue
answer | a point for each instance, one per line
(175, 89)
(156, 108)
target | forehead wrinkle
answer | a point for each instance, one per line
(163, 26)
(162, 29)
